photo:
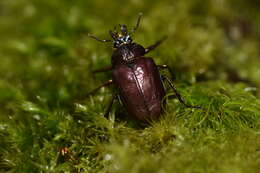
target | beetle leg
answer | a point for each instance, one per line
(104, 69)
(109, 82)
(164, 66)
(110, 106)
(98, 39)
(178, 94)
(152, 47)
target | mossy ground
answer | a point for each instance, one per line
(46, 60)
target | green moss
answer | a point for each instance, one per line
(45, 73)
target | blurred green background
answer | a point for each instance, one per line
(46, 60)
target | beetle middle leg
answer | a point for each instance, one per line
(152, 47)
(178, 95)
(110, 106)
(109, 82)
(104, 69)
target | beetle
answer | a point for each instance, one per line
(137, 77)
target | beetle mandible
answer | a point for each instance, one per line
(137, 78)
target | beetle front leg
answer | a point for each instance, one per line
(104, 69)
(152, 47)
(178, 94)
(110, 106)
(98, 39)
(109, 82)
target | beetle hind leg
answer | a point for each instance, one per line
(178, 95)
(164, 66)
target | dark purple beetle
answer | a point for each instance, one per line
(137, 77)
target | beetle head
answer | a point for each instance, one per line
(121, 37)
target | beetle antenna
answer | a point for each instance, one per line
(115, 30)
(123, 29)
(113, 35)
(138, 22)
(96, 38)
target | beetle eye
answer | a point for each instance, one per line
(116, 44)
